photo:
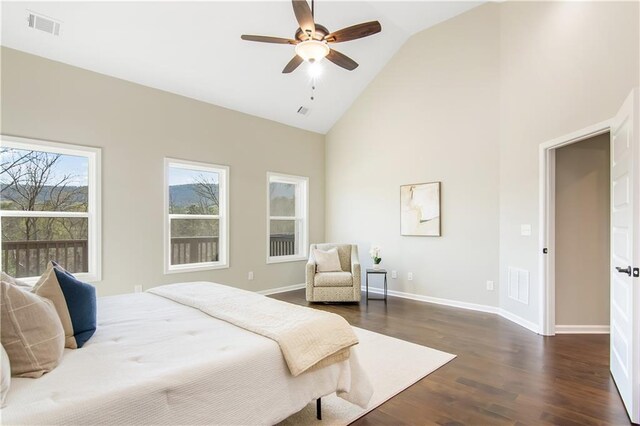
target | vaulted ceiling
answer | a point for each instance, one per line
(194, 48)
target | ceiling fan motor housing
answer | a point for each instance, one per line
(321, 32)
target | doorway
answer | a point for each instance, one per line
(582, 236)
(547, 262)
(624, 254)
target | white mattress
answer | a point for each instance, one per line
(153, 361)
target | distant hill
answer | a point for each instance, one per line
(186, 195)
(78, 194)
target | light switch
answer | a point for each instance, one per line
(525, 230)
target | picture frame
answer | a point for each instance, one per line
(420, 209)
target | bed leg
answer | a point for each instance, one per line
(319, 408)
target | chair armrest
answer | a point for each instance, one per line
(310, 270)
(355, 267)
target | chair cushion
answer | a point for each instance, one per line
(327, 261)
(344, 253)
(31, 332)
(333, 279)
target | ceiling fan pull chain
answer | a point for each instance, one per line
(313, 89)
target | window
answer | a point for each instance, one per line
(287, 223)
(196, 208)
(49, 208)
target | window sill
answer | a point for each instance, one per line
(285, 259)
(195, 268)
(80, 276)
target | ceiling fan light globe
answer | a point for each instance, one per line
(312, 50)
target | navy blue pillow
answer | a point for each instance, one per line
(81, 302)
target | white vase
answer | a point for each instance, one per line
(376, 266)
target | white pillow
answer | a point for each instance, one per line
(5, 376)
(14, 281)
(327, 261)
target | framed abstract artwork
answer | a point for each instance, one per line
(420, 209)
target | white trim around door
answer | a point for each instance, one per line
(547, 314)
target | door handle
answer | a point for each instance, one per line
(626, 270)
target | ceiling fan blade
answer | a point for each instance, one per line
(354, 32)
(304, 16)
(267, 39)
(293, 64)
(342, 60)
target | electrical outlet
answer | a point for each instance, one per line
(137, 288)
(410, 276)
(250, 276)
(490, 285)
(394, 274)
(525, 230)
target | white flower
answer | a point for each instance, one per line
(374, 252)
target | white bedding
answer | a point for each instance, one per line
(154, 361)
(308, 338)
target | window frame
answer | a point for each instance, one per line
(302, 213)
(94, 199)
(222, 217)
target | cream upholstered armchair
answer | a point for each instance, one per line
(341, 286)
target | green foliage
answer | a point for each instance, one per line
(43, 229)
(283, 227)
(194, 228)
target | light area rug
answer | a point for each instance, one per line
(393, 365)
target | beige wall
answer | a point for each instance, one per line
(137, 127)
(582, 232)
(564, 66)
(468, 102)
(430, 115)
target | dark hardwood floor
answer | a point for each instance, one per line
(503, 373)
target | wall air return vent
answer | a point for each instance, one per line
(303, 110)
(43, 23)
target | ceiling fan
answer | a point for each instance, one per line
(312, 39)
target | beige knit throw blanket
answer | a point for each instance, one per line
(308, 338)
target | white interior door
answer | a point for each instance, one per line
(625, 254)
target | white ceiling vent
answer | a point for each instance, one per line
(43, 23)
(303, 110)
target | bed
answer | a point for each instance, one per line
(155, 361)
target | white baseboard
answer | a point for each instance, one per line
(519, 320)
(462, 305)
(582, 329)
(436, 300)
(282, 289)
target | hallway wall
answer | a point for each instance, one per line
(582, 232)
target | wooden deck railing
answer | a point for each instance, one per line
(194, 250)
(29, 258)
(205, 249)
(282, 245)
